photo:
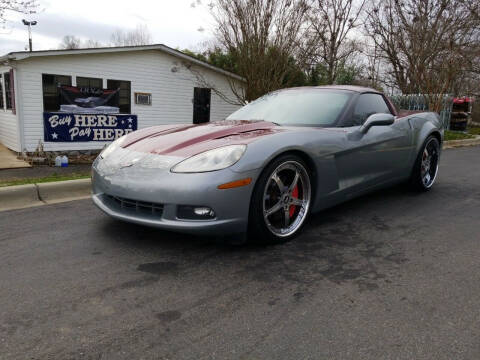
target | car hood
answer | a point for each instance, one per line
(186, 139)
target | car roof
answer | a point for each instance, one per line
(354, 88)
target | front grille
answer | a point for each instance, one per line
(137, 206)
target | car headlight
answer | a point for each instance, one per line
(211, 160)
(112, 147)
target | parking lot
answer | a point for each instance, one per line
(392, 275)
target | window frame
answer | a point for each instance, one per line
(57, 94)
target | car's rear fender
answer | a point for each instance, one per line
(423, 125)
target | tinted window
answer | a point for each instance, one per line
(296, 107)
(50, 85)
(368, 104)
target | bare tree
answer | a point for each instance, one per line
(426, 44)
(473, 7)
(373, 66)
(331, 23)
(263, 37)
(18, 6)
(90, 43)
(237, 86)
(70, 42)
(138, 36)
(467, 84)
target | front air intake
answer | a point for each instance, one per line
(136, 205)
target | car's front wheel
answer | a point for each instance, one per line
(281, 200)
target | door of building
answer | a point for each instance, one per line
(201, 105)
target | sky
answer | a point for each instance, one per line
(175, 23)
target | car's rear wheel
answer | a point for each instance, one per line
(426, 166)
(281, 200)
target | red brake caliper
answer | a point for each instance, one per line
(295, 196)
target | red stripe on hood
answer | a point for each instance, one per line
(188, 140)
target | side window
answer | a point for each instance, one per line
(368, 104)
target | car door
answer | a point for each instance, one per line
(379, 155)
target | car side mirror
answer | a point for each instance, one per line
(377, 120)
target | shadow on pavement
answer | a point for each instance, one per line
(349, 242)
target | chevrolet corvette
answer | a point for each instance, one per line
(258, 174)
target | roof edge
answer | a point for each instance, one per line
(22, 55)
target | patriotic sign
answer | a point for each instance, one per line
(70, 127)
(88, 100)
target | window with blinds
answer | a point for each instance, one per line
(124, 95)
(51, 93)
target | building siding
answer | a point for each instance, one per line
(149, 71)
(9, 135)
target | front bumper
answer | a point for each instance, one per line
(165, 191)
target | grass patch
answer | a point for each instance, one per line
(50, 178)
(456, 135)
(475, 130)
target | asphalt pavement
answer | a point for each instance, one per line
(392, 275)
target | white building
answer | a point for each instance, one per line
(158, 84)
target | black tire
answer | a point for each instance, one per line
(258, 229)
(418, 179)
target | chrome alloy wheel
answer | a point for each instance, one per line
(429, 164)
(286, 198)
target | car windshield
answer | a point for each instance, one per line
(314, 107)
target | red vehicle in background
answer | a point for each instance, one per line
(461, 110)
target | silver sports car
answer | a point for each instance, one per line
(270, 164)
